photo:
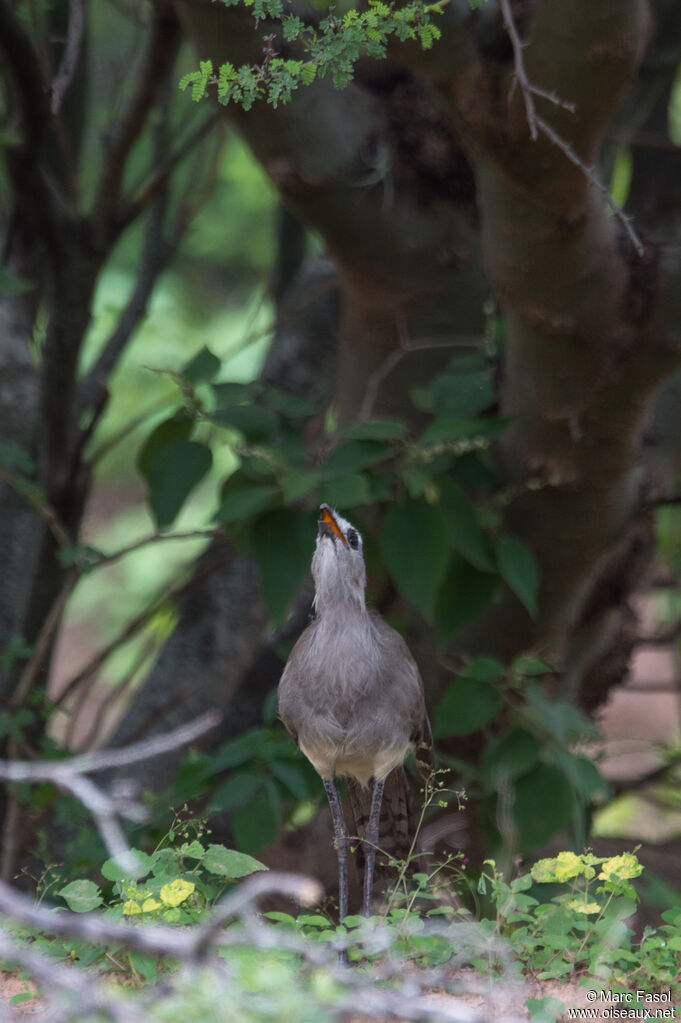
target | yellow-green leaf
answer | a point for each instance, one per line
(621, 867)
(579, 906)
(130, 908)
(175, 892)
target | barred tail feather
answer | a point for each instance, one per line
(395, 833)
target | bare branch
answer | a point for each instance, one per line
(158, 59)
(166, 168)
(594, 180)
(145, 541)
(43, 642)
(134, 626)
(36, 499)
(188, 944)
(404, 348)
(521, 78)
(69, 61)
(107, 808)
(538, 125)
(24, 65)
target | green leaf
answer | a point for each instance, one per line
(377, 429)
(313, 920)
(112, 872)
(11, 284)
(203, 367)
(346, 490)
(293, 777)
(465, 533)
(584, 775)
(81, 896)
(234, 791)
(484, 669)
(280, 918)
(466, 706)
(563, 720)
(415, 545)
(230, 863)
(283, 542)
(257, 824)
(173, 473)
(298, 484)
(255, 422)
(236, 751)
(244, 503)
(510, 754)
(542, 807)
(353, 455)
(519, 570)
(145, 964)
(170, 431)
(464, 595)
(231, 393)
(22, 996)
(545, 1010)
(290, 405)
(525, 664)
(463, 395)
(192, 849)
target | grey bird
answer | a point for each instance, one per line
(352, 698)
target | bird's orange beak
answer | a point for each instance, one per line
(327, 520)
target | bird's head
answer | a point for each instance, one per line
(338, 562)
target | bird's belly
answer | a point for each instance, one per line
(331, 759)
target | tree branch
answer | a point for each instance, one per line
(71, 56)
(159, 57)
(537, 124)
(134, 626)
(106, 808)
(24, 65)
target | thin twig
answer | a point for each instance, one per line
(43, 643)
(521, 78)
(159, 57)
(594, 180)
(404, 348)
(537, 124)
(133, 627)
(71, 55)
(117, 438)
(145, 541)
(107, 808)
(115, 694)
(33, 496)
(165, 168)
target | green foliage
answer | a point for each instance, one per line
(470, 703)
(444, 551)
(330, 49)
(566, 919)
(415, 546)
(529, 760)
(259, 778)
(581, 930)
(178, 882)
(519, 569)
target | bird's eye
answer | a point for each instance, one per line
(352, 539)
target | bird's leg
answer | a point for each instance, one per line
(371, 842)
(342, 838)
